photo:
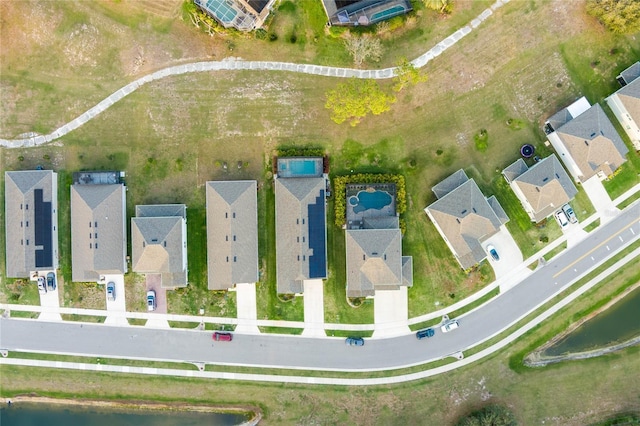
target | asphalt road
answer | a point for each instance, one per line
(325, 354)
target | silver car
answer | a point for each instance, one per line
(111, 291)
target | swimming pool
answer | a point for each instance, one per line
(388, 13)
(299, 167)
(370, 200)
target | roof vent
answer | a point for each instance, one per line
(545, 179)
(593, 134)
(155, 240)
(464, 211)
(557, 176)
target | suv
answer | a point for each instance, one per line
(111, 291)
(151, 300)
(51, 281)
(425, 333)
(354, 341)
(220, 336)
(570, 213)
(449, 325)
(42, 285)
(561, 217)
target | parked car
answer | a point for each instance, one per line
(111, 291)
(493, 252)
(562, 219)
(425, 333)
(51, 281)
(42, 285)
(449, 325)
(151, 300)
(355, 341)
(220, 336)
(570, 213)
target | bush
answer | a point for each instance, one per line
(273, 36)
(261, 34)
(491, 415)
(618, 16)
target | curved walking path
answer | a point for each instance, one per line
(238, 64)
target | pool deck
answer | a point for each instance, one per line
(354, 220)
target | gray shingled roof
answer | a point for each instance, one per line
(515, 169)
(546, 187)
(232, 233)
(450, 183)
(374, 259)
(159, 243)
(629, 96)
(593, 142)
(630, 74)
(466, 218)
(20, 221)
(162, 210)
(98, 210)
(293, 197)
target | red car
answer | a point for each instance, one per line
(222, 337)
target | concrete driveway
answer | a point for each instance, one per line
(247, 311)
(600, 199)
(313, 309)
(508, 250)
(50, 299)
(116, 307)
(390, 312)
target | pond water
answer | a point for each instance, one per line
(24, 414)
(617, 324)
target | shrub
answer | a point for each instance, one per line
(491, 415)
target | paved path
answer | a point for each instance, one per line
(313, 308)
(230, 64)
(246, 309)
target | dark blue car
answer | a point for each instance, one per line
(425, 333)
(355, 341)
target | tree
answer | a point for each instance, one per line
(440, 6)
(491, 415)
(355, 99)
(618, 16)
(362, 48)
(407, 74)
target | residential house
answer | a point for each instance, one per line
(301, 224)
(232, 233)
(374, 259)
(243, 15)
(625, 103)
(364, 12)
(31, 219)
(159, 243)
(98, 226)
(542, 188)
(586, 141)
(465, 218)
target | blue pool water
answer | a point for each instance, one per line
(299, 167)
(371, 200)
(222, 10)
(396, 10)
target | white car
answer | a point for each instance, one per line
(42, 285)
(449, 325)
(562, 219)
(570, 213)
(151, 300)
